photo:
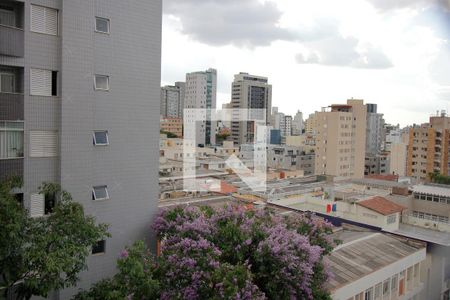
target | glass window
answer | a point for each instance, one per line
(394, 281)
(49, 203)
(101, 138)
(378, 291)
(102, 82)
(368, 295)
(11, 139)
(99, 247)
(100, 193)
(101, 25)
(7, 83)
(386, 286)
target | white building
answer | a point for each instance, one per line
(172, 100)
(201, 93)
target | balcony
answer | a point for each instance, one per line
(11, 93)
(11, 28)
(11, 167)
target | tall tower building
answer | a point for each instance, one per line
(201, 93)
(341, 140)
(79, 104)
(429, 146)
(172, 100)
(297, 123)
(249, 92)
(374, 130)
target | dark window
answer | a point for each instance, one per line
(99, 247)
(50, 201)
(101, 25)
(54, 83)
(19, 198)
(101, 138)
(100, 193)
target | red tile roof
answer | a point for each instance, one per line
(381, 205)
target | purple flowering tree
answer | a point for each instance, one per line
(228, 253)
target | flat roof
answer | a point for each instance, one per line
(422, 234)
(361, 257)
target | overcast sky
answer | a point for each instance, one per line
(395, 53)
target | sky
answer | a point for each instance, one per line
(395, 53)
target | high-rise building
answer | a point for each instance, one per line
(341, 140)
(201, 93)
(172, 100)
(310, 124)
(79, 106)
(249, 92)
(428, 150)
(287, 130)
(374, 130)
(297, 123)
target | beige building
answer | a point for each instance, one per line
(341, 140)
(428, 150)
(310, 124)
(172, 125)
(398, 156)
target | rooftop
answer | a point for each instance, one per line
(381, 205)
(363, 256)
(423, 234)
(439, 190)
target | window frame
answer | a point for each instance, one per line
(95, 82)
(46, 8)
(94, 196)
(95, 138)
(4, 128)
(103, 247)
(13, 82)
(108, 23)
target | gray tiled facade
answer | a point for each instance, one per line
(131, 56)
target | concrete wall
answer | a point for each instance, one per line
(131, 56)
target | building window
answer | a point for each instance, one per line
(43, 82)
(101, 82)
(100, 192)
(391, 219)
(11, 139)
(49, 203)
(99, 247)
(43, 143)
(101, 25)
(101, 138)
(37, 205)
(386, 287)
(44, 20)
(7, 83)
(368, 295)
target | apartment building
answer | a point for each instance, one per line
(172, 100)
(310, 124)
(80, 88)
(378, 164)
(290, 158)
(201, 93)
(172, 125)
(297, 123)
(428, 150)
(341, 140)
(249, 92)
(374, 130)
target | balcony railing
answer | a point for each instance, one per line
(11, 41)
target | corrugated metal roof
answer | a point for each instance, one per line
(432, 190)
(360, 258)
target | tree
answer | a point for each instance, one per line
(229, 253)
(39, 255)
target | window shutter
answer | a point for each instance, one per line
(51, 21)
(40, 82)
(38, 18)
(43, 144)
(37, 205)
(44, 20)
